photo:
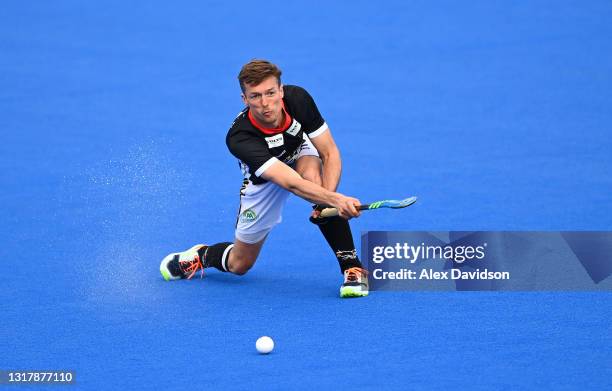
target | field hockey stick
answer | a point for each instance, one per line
(393, 204)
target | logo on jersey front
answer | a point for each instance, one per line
(294, 129)
(275, 141)
(248, 216)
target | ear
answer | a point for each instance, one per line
(244, 99)
(282, 91)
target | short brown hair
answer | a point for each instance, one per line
(256, 71)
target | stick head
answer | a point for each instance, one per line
(405, 202)
(395, 204)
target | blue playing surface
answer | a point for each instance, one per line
(113, 116)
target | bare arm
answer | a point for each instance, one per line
(330, 156)
(285, 177)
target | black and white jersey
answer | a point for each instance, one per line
(258, 148)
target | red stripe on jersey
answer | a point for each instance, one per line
(284, 126)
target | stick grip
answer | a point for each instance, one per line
(331, 212)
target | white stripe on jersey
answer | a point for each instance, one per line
(319, 131)
(265, 166)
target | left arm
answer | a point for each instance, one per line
(330, 155)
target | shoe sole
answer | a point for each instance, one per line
(347, 292)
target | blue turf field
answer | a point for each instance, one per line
(497, 114)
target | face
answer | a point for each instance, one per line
(265, 100)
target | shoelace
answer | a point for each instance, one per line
(354, 273)
(191, 266)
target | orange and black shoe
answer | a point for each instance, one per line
(183, 265)
(355, 283)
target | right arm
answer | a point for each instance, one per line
(287, 178)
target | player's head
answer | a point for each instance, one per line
(256, 71)
(262, 91)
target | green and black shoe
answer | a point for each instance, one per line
(355, 283)
(186, 264)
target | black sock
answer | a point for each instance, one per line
(216, 255)
(337, 232)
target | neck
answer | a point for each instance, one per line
(279, 121)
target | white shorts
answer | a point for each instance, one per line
(261, 206)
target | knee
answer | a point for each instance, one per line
(241, 266)
(313, 175)
(241, 269)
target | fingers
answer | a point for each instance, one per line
(355, 207)
(353, 211)
(349, 208)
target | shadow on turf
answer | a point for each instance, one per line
(291, 286)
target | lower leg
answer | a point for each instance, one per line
(235, 258)
(337, 233)
(336, 230)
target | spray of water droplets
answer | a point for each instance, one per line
(126, 205)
